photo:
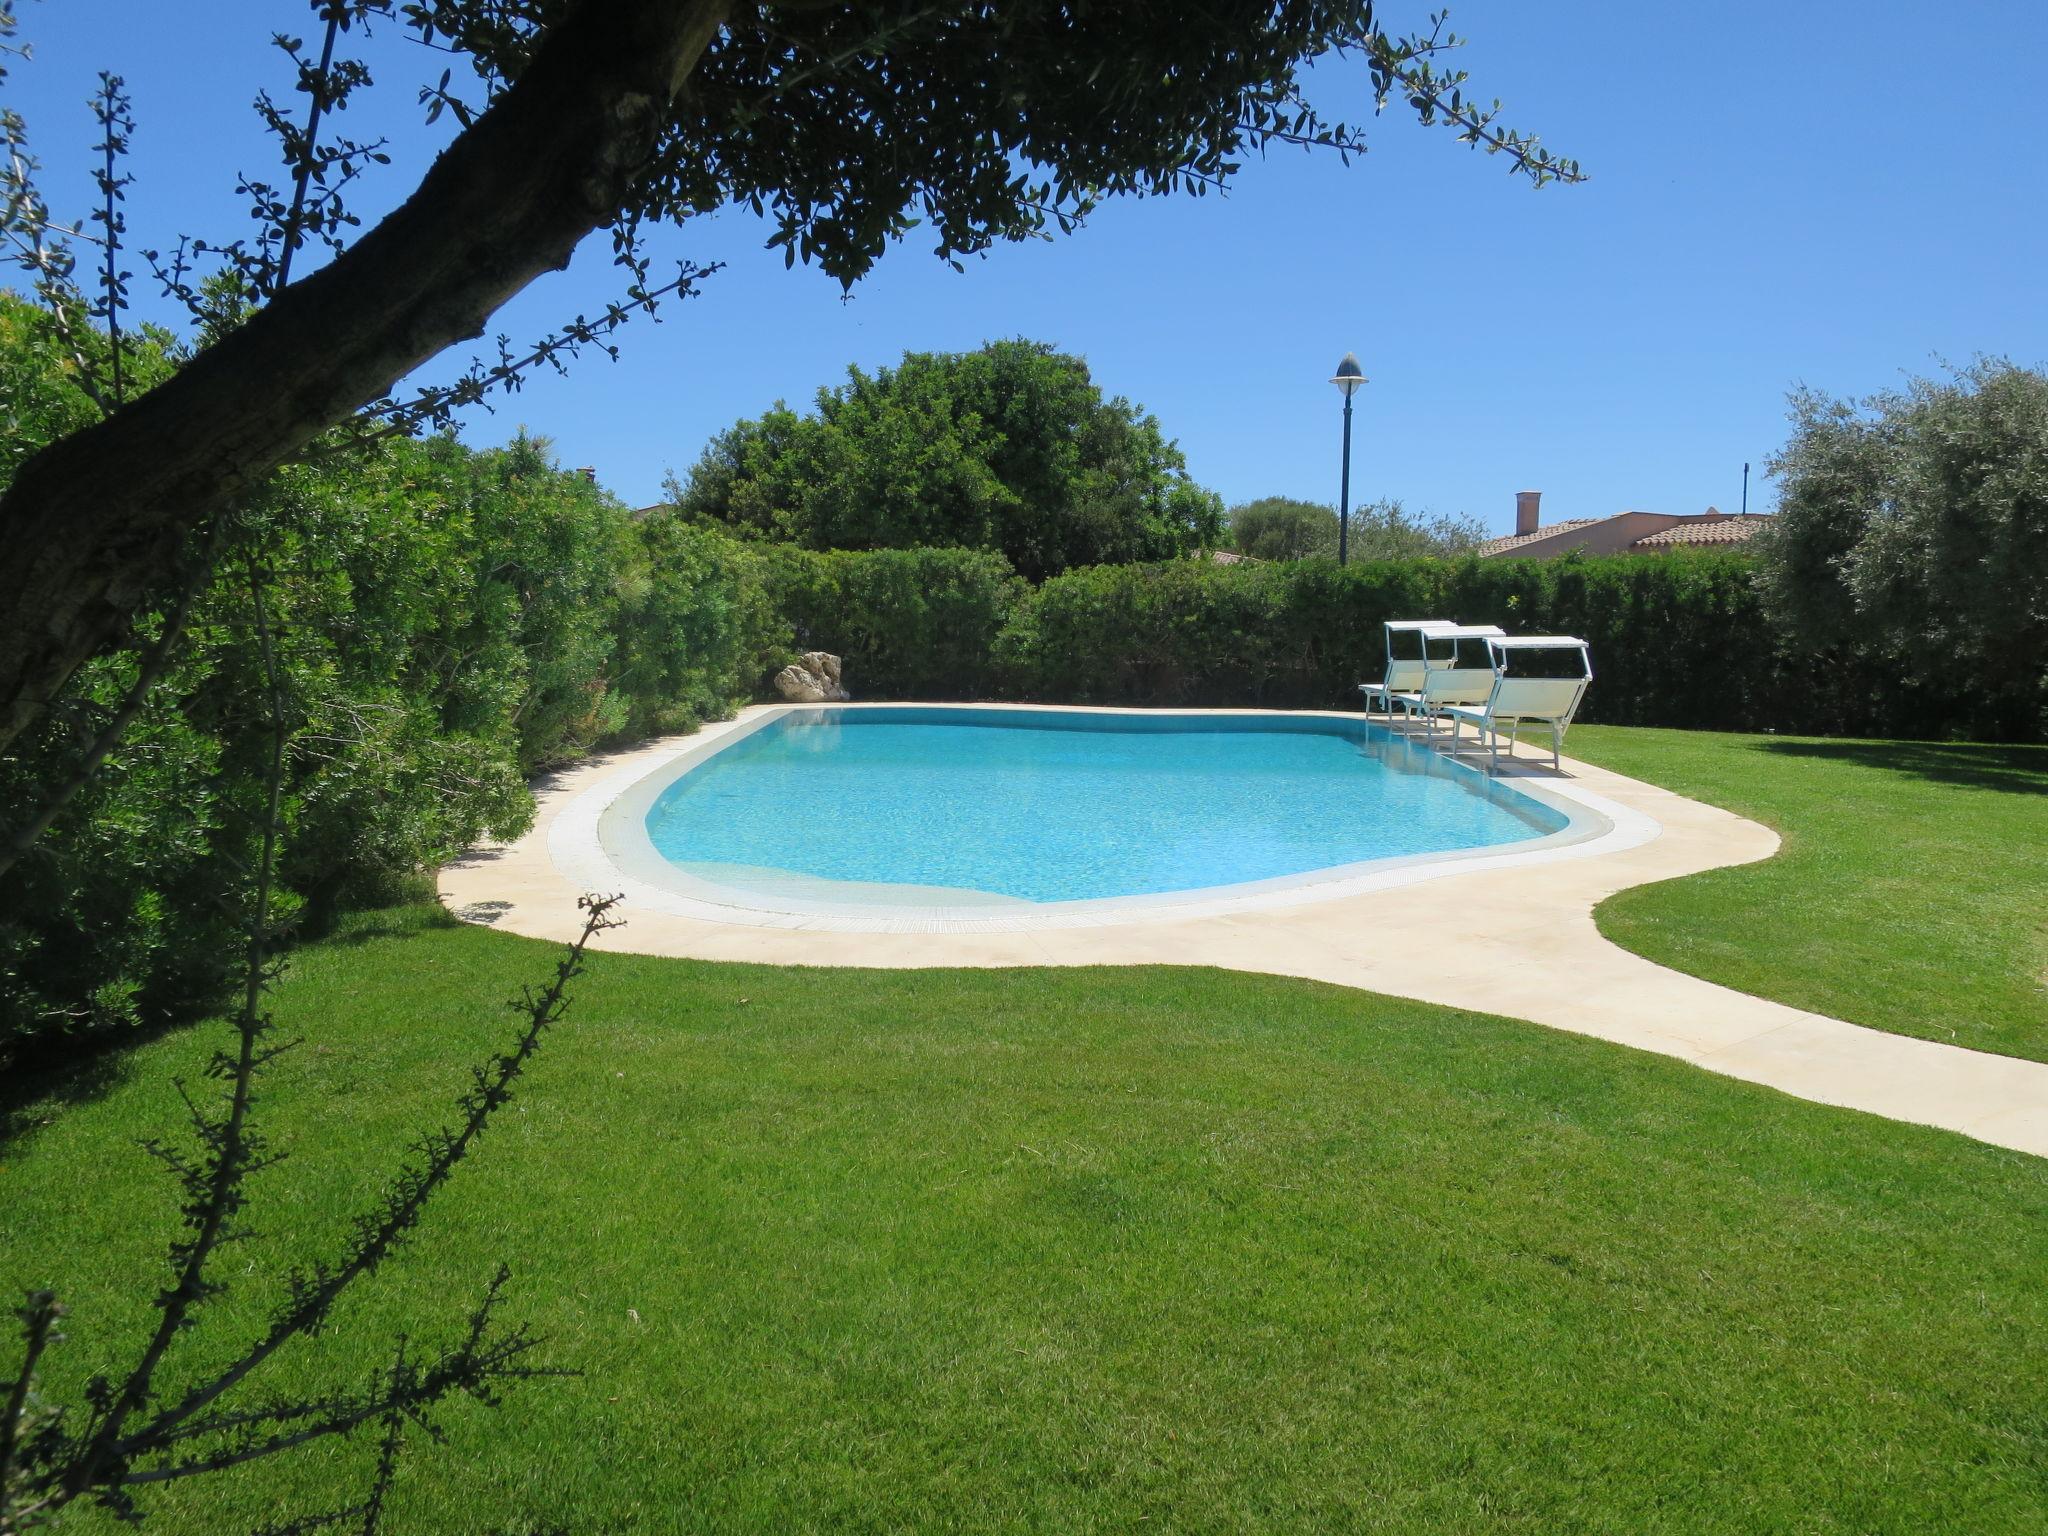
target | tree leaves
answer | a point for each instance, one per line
(1912, 530)
(1012, 447)
(1000, 123)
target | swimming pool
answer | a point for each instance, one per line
(972, 808)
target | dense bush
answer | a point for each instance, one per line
(697, 631)
(1010, 448)
(437, 640)
(448, 622)
(1182, 633)
(1912, 544)
(912, 622)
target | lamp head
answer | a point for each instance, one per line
(1349, 375)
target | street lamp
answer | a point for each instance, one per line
(1349, 377)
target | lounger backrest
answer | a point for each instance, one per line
(1536, 698)
(1457, 685)
(1405, 676)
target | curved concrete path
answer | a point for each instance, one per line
(1528, 949)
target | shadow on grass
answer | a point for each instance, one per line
(58, 1072)
(2012, 770)
(390, 923)
(66, 1072)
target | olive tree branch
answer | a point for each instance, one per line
(111, 108)
(47, 1470)
(214, 1188)
(312, 1294)
(402, 1390)
(435, 406)
(317, 93)
(39, 1316)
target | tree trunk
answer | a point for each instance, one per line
(91, 523)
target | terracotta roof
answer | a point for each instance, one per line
(1727, 530)
(1510, 541)
(1232, 557)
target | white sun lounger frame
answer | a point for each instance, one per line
(1403, 673)
(1444, 682)
(1513, 701)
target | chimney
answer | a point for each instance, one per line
(589, 472)
(1525, 510)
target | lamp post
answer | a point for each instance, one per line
(1348, 379)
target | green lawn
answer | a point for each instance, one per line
(1105, 1250)
(1911, 893)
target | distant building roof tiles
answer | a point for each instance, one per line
(1510, 541)
(1630, 532)
(1728, 530)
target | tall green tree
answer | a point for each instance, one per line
(1914, 526)
(1012, 448)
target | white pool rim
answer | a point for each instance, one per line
(599, 841)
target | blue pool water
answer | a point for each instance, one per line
(1059, 807)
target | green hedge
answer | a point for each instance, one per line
(1679, 639)
(917, 623)
(1667, 634)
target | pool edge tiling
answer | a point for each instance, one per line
(603, 837)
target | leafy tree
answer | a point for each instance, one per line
(1914, 526)
(1012, 448)
(1281, 528)
(847, 125)
(1386, 530)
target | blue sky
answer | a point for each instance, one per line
(1824, 193)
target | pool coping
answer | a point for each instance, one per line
(601, 839)
(1518, 940)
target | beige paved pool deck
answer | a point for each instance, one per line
(1527, 948)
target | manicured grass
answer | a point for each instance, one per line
(1097, 1250)
(1911, 893)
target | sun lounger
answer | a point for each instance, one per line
(1527, 698)
(1404, 673)
(1450, 676)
